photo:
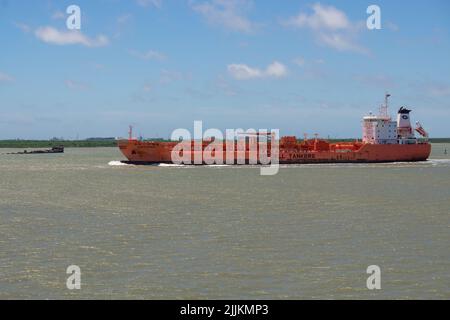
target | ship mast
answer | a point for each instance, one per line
(384, 108)
(130, 133)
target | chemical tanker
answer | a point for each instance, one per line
(384, 140)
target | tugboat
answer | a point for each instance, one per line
(57, 149)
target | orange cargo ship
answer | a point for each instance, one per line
(384, 140)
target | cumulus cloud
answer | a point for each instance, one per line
(276, 70)
(53, 36)
(229, 14)
(244, 72)
(341, 42)
(330, 26)
(324, 17)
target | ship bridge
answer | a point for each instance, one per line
(380, 129)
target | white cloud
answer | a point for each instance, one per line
(5, 78)
(230, 14)
(330, 26)
(276, 70)
(54, 36)
(148, 55)
(324, 17)
(150, 3)
(244, 72)
(341, 42)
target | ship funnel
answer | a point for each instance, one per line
(403, 120)
(404, 123)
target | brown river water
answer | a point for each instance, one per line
(222, 232)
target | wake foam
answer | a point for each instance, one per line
(117, 163)
(437, 162)
(170, 165)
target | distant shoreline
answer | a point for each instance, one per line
(109, 143)
(24, 144)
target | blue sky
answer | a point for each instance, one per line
(298, 66)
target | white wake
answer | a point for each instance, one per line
(117, 163)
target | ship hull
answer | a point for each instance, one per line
(138, 152)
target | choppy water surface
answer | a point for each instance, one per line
(161, 232)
